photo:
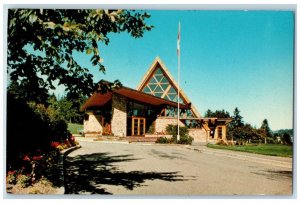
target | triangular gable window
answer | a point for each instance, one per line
(159, 82)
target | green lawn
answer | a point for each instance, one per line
(74, 128)
(266, 149)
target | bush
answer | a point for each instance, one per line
(24, 180)
(271, 140)
(173, 130)
(11, 177)
(162, 140)
(185, 139)
(183, 132)
(286, 138)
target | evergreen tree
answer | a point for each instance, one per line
(237, 119)
(217, 114)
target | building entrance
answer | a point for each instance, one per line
(138, 127)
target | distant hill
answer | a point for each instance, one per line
(282, 131)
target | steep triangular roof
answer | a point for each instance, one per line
(159, 82)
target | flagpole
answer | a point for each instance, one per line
(178, 96)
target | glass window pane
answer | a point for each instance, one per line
(158, 94)
(159, 89)
(159, 77)
(172, 96)
(164, 86)
(164, 80)
(146, 89)
(172, 90)
(153, 81)
(152, 86)
(158, 71)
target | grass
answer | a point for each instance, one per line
(265, 149)
(74, 128)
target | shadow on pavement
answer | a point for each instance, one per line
(88, 174)
(275, 175)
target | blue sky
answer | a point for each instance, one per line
(229, 59)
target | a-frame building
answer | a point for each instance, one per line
(148, 110)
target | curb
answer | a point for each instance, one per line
(62, 167)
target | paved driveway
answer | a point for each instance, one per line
(136, 169)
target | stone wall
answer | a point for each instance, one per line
(162, 122)
(119, 115)
(199, 135)
(92, 125)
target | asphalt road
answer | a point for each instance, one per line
(136, 169)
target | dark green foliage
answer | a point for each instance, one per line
(162, 140)
(31, 127)
(245, 133)
(282, 131)
(217, 114)
(185, 139)
(58, 126)
(183, 132)
(237, 119)
(68, 108)
(173, 130)
(265, 129)
(42, 43)
(26, 130)
(286, 138)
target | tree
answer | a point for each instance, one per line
(286, 138)
(217, 114)
(237, 119)
(42, 44)
(208, 113)
(235, 128)
(265, 130)
(25, 92)
(77, 101)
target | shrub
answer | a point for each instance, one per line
(271, 140)
(183, 132)
(286, 138)
(173, 130)
(11, 177)
(162, 140)
(185, 139)
(24, 180)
